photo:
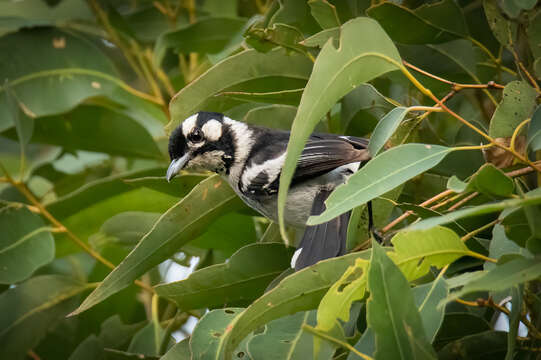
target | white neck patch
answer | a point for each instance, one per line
(244, 142)
(189, 124)
(212, 130)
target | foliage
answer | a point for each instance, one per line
(447, 90)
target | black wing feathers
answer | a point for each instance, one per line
(325, 240)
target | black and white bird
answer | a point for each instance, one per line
(250, 158)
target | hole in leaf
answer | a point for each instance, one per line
(229, 311)
(240, 354)
(216, 334)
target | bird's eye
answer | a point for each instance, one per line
(195, 136)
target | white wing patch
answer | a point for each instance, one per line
(271, 167)
(189, 124)
(212, 130)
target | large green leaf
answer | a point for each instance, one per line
(179, 225)
(365, 52)
(243, 277)
(284, 339)
(435, 23)
(272, 116)
(71, 69)
(516, 106)
(482, 346)
(300, 291)
(487, 180)
(243, 67)
(382, 174)
(504, 30)
(25, 245)
(475, 211)
(32, 308)
(97, 129)
(502, 277)
(391, 312)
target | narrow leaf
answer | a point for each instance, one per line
(534, 131)
(385, 129)
(365, 52)
(382, 174)
(179, 225)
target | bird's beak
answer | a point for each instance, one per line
(176, 165)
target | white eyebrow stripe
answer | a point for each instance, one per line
(212, 130)
(189, 124)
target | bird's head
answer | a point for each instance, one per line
(203, 142)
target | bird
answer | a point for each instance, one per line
(250, 158)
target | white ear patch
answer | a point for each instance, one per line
(189, 124)
(212, 130)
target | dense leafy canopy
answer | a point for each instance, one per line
(447, 90)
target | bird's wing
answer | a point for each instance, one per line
(322, 153)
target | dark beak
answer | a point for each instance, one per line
(176, 165)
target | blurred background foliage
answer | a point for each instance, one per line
(85, 110)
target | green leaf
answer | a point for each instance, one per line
(486, 345)
(300, 291)
(324, 13)
(265, 39)
(504, 31)
(435, 23)
(534, 131)
(71, 70)
(147, 340)
(500, 245)
(201, 37)
(243, 277)
(534, 34)
(488, 180)
(90, 348)
(475, 211)
(514, 320)
(272, 116)
(427, 298)
(288, 97)
(319, 39)
(376, 178)
(24, 125)
(335, 72)
(179, 351)
(516, 106)
(502, 277)
(26, 244)
(248, 65)
(94, 128)
(337, 301)
(179, 225)
(34, 306)
(386, 128)
(210, 330)
(391, 312)
(127, 228)
(416, 251)
(286, 340)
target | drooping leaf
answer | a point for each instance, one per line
(335, 72)
(375, 178)
(243, 278)
(179, 225)
(34, 307)
(392, 314)
(25, 245)
(300, 291)
(502, 277)
(475, 211)
(516, 106)
(284, 339)
(248, 65)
